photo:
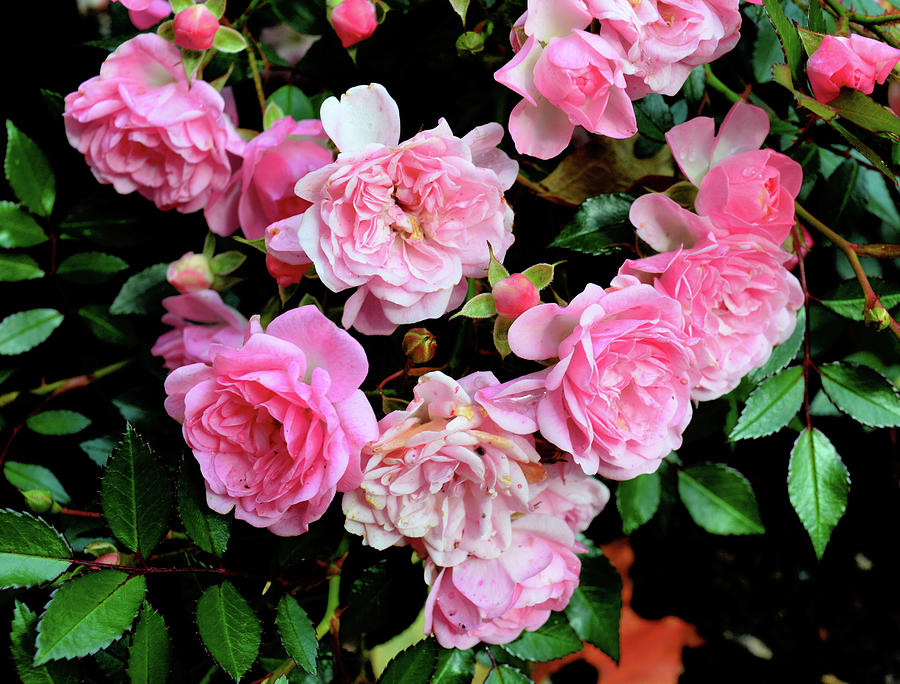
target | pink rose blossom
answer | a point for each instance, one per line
(570, 495)
(277, 425)
(515, 295)
(146, 13)
(618, 399)
(494, 600)
(285, 258)
(142, 126)
(852, 61)
(353, 21)
(200, 320)
(195, 28)
(190, 273)
(403, 223)
(442, 476)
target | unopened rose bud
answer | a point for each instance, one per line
(353, 21)
(190, 273)
(419, 345)
(878, 316)
(195, 28)
(515, 295)
(109, 559)
(39, 500)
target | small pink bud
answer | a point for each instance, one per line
(894, 95)
(109, 559)
(190, 273)
(195, 28)
(353, 21)
(515, 295)
(419, 345)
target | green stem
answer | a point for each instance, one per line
(241, 20)
(713, 81)
(257, 81)
(863, 19)
(334, 592)
(67, 384)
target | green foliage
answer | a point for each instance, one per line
(653, 117)
(719, 499)
(293, 102)
(142, 292)
(297, 633)
(17, 267)
(107, 328)
(22, 635)
(504, 674)
(460, 7)
(206, 528)
(90, 267)
(228, 628)
(862, 393)
(480, 306)
(540, 275)
(554, 639)
(454, 667)
(229, 40)
(787, 33)
(28, 172)
(638, 500)
(414, 665)
(784, 353)
(17, 228)
(848, 300)
(98, 450)
(31, 552)
(22, 331)
(58, 422)
(596, 605)
(772, 405)
(600, 225)
(27, 476)
(150, 654)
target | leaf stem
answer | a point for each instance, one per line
(859, 18)
(254, 71)
(60, 386)
(334, 593)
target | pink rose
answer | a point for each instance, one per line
(146, 13)
(569, 495)
(849, 62)
(618, 399)
(200, 320)
(142, 126)
(403, 223)
(285, 259)
(261, 191)
(353, 21)
(494, 600)
(442, 476)
(738, 299)
(190, 273)
(195, 28)
(277, 425)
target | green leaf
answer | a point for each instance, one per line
(292, 102)
(600, 226)
(460, 7)
(771, 405)
(784, 353)
(695, 85)
(142, 292)
(502, 325)
(864, 111)
(818, 485)
(454, 667)
(862, 393)
(638, 500)
(227, 262)
(554, 639)
(136, 494)
(596, 605)
(22, 635)
(56, 103)
(58, 422)
(88, 613)
(259, 244)
(865, 150)
(229, 40)
(116, 330)
(29, 172)
(98, 450)
(480, 306)
(18, 229)
(206, 528)
(272, 114)
(766, 52)
(31, 552)
(297, 633)
(790, 41)
(228, 628)
(27, 476)
(25, 330)
(413, 665)
(496, 270)
(504, 674)
(848, 300)
(653, 117)
(217, 7)
(90, 267)
(719, 499)
(540, 275)
(150, 655)
(18, 267)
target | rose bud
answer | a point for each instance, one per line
(353, 21)
(195, 28)
(109, 559)
(515, 295)
(419, 345)
(190, 273)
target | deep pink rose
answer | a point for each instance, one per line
(494, 600)
(353, 21)
(618, 399)
(146, 13)
(403, 223)
(200, 320)
(738, 299)
(261, 191)
(852, 61)
(190, 273)
(277, 425)
(142, 126)
(195, 28)
(442, 476)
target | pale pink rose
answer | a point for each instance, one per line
(142, 126)
(261, 191)
(852, 61)
(285, 259)
(200, 320)
(287, 43)
(515, 295)
(442, 476)
(195, 28)
(353, 21)
(618, 398)
(403, 223)
(190, 273)
(738, 299)
(277, 425)
(146, 13)
(569, 495)
(494, 600)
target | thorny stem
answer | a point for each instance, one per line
(254, 71)
(60, 386)
(849, 250)
(151, 570)
(863, 19)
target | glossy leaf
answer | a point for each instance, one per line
(27, 476)
(504, 674)
(298, 635)
(862, 393)
(206, 528)
(17, 228)
(31, 552)
(554, 639)
(787, 33)
(22, 331)
(600, 225)
(540, 275)
(17, 267)
(150, 655)
(229, 40)
(228, 628)
(143, 291)
(22, 635)
(29, 172)
(784, 353)
(414, 665)
(595, 609)
(454, 667)
(719, 499)
(638, 499)
(847, 299)
(771, 405)
(58, 422)
(106, 327)
(90, 267)
(98, 450)
(480, 306)
(292, 102)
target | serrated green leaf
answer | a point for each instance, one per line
(862, 393)
(504, 674)
(600, 225)
(150, 655)
(143, 291)
(554, 639)
(771, 405)
(719, 499)
(31, 551)
(460, 7)
(228, 628)
(695, 85)
(24, 330)
(816, 23)
(29, 172)
(58, 422)
(818, 486)
(766, 52)
(22, 635)
(784, 353)
(638, 500)
(206, 528)
(292, 102)
(454, 667)
(596, 605)
(413, 665)
(27, 476)
(105, 327)
(653, 117)
(787, 33)
(88, 613)
(848, 300)
(864, 111)
(90, 267)
(18, 229)
(229, 40)
(540, 275)
(18, 267)
(480, 306)
(98, 450)
(298, 635)
(136, 494)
